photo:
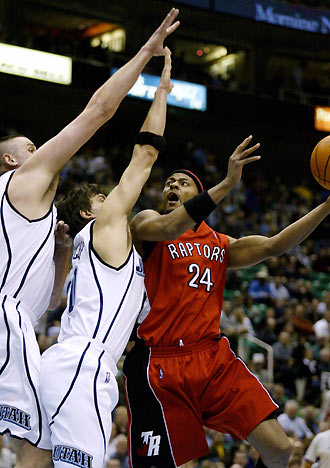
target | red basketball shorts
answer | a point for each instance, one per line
(173, 392)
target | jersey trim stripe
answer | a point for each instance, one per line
(16, 210)
(240, 359)
(8, 336)
(161, 407)
(99, 289)
(71, 385)
(121, 302)
(96, 403)
(100, 259)
(129, 422)
(29, 375)
(34, 257)
(8, 247)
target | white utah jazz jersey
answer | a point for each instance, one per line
(103, 301)
(27, 251)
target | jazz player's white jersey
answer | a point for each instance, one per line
(78, 384)
(26, 282)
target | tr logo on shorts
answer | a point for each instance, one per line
(150, 445)
(73, 456)
(15, 416)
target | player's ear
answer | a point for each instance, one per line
(9, 161)
(86, 214)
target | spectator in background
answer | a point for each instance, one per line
(259, 288)
(322, 326)
(318, 449)
(257, 366)
(278, 393)
(113, 463)
(322, 260)
(310, 416)
(267, 333)
(241, 458)
(292, 424)
(7, 457)
(121, 454)
(277, 289)
(120, 419)
(283, 368)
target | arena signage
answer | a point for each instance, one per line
(322, 118)
(184, 94)
(35, 64)
(279, 14)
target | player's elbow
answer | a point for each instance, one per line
(103, 109)
(274, 247)
(146, 153)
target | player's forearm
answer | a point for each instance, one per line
(299, 231)
(156, 118)
(108, 97)
(221, 190)
(62, 261)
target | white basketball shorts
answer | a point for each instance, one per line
(79, 392)
(21, 411)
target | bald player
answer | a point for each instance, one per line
(27, 222)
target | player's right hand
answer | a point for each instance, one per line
(165, 79)
(239, 159)
(155, 43)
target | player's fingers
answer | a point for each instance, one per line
(249, 151)
(244, 144)
(170, 17)
(250, 160)
(66, 228)
(172, 28)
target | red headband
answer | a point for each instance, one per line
(194, 177)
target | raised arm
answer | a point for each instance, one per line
(251, 250)
(149, 225)
(113, 215)
(38, 172)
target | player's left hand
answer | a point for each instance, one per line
(62, 238)
(155, 43)
(239, 159)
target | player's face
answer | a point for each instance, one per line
(178, 189)
(22, 150)
(96, 202)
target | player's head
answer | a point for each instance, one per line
(15, 150)
(180, 186)
(80, 206)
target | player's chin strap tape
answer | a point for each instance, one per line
(148, 138)
(200, 207)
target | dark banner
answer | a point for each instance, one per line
(271, 12)
(279, 14)
(197, 3)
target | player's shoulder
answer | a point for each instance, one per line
(144, 215)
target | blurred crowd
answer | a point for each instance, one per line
(284, 302)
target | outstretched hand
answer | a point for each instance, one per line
(155, 43)
(239, 159)
(165, 79)
(62, 238)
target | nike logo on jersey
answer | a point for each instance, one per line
(15, 416)
(150, 445)
(72, 455)
(140, 268)
(188, 249)
(76, 254)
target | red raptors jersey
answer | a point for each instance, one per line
(185, 280)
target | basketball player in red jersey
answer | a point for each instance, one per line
(181, 374)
